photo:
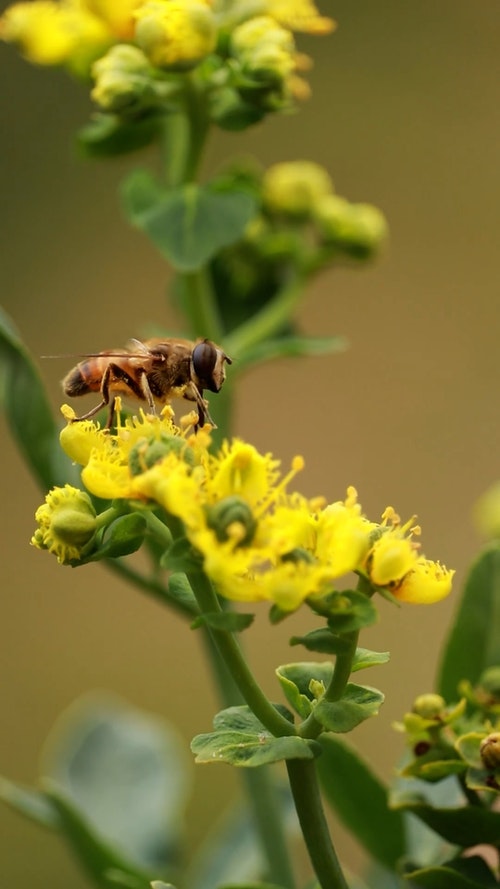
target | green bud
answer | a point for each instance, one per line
(429, 706)
(489, 750)
(356, 229)
(147, 452)
(123, 80)
(229, 515)
(490, 681)
(295, 188)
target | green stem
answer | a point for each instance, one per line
(200, 305)
(311, 728)
(267, 322)
(235, 662)
(260, 786)
(304, 784)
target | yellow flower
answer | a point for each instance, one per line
(343, 535)
(426, 583)
(118, 15)
(240, 469)
(391, 558)
(299, 15)
(175, 34)
(67, 522)
(55, 33)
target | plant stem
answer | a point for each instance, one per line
(304, 784)
(151, 586)
(260, 786)
(267, 322)
(235, 662)
(200, 305)
(311, 728)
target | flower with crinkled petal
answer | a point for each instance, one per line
(426, 583)
(175, 34)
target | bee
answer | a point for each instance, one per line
(154, 371)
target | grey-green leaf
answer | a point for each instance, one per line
(358, 703)
(474, 641)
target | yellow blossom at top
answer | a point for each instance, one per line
(175, 34)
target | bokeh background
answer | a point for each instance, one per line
(404, 114)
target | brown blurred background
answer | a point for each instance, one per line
(405, 114)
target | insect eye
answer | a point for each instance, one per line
(204, 359)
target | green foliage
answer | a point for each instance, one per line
(28, 411)
(123, 536)
(474, 642)
(357, 703)
(360, 800)
(108, 135)
(464, 873)
(296, 681)
(114, 786)
(241, 740)
(232, 621)
(465, 826)
(189, 224)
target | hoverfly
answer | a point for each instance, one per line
(152, 371)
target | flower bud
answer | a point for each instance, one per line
(294, 189)
(489, 750)
(175, 34)
(489, 681)
(122, 79)
(429, 706)
(487, 513)
(232, 518)
(147, 452)
(67, 522)
(264, 50)
(357, 229)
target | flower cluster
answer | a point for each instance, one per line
(256, 540)
(250, 43)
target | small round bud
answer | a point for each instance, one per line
(175, 34)
(232, 518)
(489, 750)
(122, 79)
(429, 706)
(147, 452)
(293, 189)
(487, 513)
(67, 522)
(357, 229)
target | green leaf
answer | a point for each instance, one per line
(123, 774)
(241, 740)
(180, 557)
(124, 536)
(179, 589)
(358, 703)
(466, 826)
(28, 412)
(140, 192)
(350, 610)
(189, 225)
(159, 884)
(32, 804)
(364, 658)
(464, 873)
(322, 640)
(232, 621)
(474, 641)
(360, 800)
(107, 135)
(250, 750)
(295, 680)
(428, 768)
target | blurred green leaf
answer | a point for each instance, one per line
(190, 224)
(32, 804)
(474, 641)
(290, 346)
(464, 873)
(232, 621)
(350, 610)
(433, 767)
(322, 640)
(107, 135)
(95, 856)
(364, 658)
(179, 589)
(124, 775)
(28, 412)
(180, 557)
(359, 702)
(360, 800)
(295, 680)
(465, 826)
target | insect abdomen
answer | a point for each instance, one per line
(85, 377)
